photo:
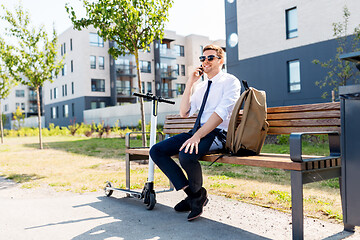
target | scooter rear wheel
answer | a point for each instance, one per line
(108, 192)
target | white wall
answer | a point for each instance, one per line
(31, 122)
(262, 26)
(129, 115)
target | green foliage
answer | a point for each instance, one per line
(131, 24)
(283, 139)
(340, 72)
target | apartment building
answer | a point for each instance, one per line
(272, 44)
(23, 97)
(91, 78)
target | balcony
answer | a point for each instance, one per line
(168, 53)
(125, 70)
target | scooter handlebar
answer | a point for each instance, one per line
(149, 96)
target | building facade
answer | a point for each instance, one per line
(92, 79)
(272, 44)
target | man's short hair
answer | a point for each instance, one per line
(219, 50)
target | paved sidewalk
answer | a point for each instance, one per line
(44, 214)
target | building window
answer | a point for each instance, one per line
(93, 105)
(294, 76)
(23, 106)
(182, 70)
(142, 87)
(54, 112)
(180, 50)
(20, 93)
(55, 92)
(64, 48)
(97, 85)
(145, 66)
(63, 70)
(6, 107)
(180, 87)
(102, 104)
(72, 66)
(70, 44)
(65, 111)
(177, 71)
(93, 62)
(101, 63)
(65, 89)
(149, 87)
(96, 40)
(72, 88)
(291, 23)
(73, 109)
(50, 94)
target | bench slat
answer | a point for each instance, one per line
(271, 160)
(289, 130)
(305, 107)
(304, 115)
(304, 122)
(181, 125)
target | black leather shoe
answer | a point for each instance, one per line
(183, 206)
(197, 204)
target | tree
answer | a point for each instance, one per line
(341, 72)
(35, 53)
(131, 24)
(6, 82)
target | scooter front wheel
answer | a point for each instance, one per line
(151, 201)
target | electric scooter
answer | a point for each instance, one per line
(148, 192)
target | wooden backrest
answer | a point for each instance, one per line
(282, 120)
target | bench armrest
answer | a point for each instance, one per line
(127, 137)
(296, 145)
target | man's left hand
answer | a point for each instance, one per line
(190, 144)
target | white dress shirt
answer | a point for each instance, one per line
(223, 94)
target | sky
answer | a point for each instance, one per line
(201, 17)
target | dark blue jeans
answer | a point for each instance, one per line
(161, 154)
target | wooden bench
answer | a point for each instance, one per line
(297, 121)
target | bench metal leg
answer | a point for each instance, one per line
(297, 205)
(127, 170)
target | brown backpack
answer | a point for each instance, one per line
(246, 135)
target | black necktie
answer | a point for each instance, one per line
(197, 123)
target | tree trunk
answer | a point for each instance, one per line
(143, 123)
(1, 125)
(39, 115)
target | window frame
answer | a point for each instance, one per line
(291, 83)
(290, 32)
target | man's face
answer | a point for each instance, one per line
(214, 65)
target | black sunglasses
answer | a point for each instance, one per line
(209, 58)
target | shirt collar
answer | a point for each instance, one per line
(217, 77)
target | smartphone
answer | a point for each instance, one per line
(201, 70)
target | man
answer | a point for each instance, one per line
(215, 98)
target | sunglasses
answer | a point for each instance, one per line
(209, 58)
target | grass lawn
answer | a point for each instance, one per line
(80, 164)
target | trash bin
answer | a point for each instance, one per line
(350, 151)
